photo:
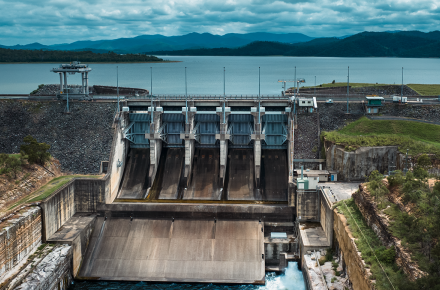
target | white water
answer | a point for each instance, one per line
(292, 279)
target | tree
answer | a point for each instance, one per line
(36, 152)
(424, 161)
(13, 164)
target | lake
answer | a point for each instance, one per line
(205, 73)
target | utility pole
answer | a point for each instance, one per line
(401, 90)
(151, 94)
(259, 86)
(315, 86)
(348, 87)
(186, 100)
(117, 85)
(294, 94)
(224, 94)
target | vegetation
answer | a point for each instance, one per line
(13, 55)
(426, 90)
(365, 237)
(11, 164)
(365, 44)
(418, 229)
(416, 136)
(49, 188)
(339, 85)
(36, 152)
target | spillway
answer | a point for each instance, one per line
(221, 251)
(274, 175)
(205, 176)
(169, 177)
(241, 181)
(135, 180)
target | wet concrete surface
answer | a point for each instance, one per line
(274, 175)
(170, 180)
(241, 177)
(135, 179)
(205, 176)
(179, 251)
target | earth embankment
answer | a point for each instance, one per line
(79, 140)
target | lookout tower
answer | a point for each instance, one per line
(73, 68)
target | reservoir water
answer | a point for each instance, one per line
(205, 73)
(291, 279)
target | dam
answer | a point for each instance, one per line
(195, 187)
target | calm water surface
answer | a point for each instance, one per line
(292, 279)
(205, 73)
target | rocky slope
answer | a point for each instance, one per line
(80, 140)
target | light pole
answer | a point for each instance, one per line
(117, 85)
(224, 95)
(348, 86)
(151, 94)
(315, 86)
(401, 90)
(259, 91)
(186, 100)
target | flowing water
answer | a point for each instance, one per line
(291, 279)
(205, 73)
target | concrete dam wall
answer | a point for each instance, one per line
(360, 163)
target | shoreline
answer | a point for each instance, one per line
(110, 62)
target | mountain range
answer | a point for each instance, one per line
(365, 44)
(143, 43)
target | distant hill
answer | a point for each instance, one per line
(21, 55)
(365, 44)
(159, 42)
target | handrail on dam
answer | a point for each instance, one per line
(209, 97)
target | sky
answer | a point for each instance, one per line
(64, 21)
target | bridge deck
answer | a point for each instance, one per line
(179, 251)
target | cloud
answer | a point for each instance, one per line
(62, 21)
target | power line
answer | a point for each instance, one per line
(369, 245)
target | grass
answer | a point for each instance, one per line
(353, 85)
(49, 188)
(426, 90)
(416, 136)
(354, 219)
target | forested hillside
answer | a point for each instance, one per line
(366, 44)
(12, 55)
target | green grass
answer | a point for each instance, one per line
(49, 188)
(354, 219)
(416, 136)
(426, 90)
(353, 85)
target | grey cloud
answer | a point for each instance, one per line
(59, 21)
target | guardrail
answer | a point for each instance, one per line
(208, 97)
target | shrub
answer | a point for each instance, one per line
(396, 179)
(424, 161)
(420, 173)
(36, 152)
(386, 255)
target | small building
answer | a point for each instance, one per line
(320, 175)
(373, 104)
(308, 103)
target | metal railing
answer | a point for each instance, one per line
(208, 97)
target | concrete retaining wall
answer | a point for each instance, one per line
(58, 208)
(91, 192)
(52, 273)
(118, 155)
(371, 214)
(361, 162)
(19, 236)
(354, 265)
